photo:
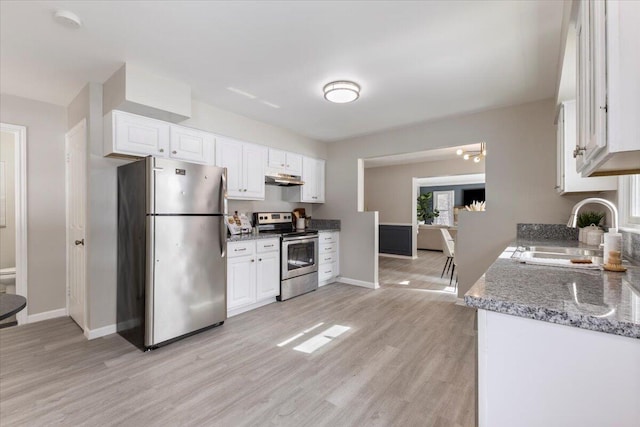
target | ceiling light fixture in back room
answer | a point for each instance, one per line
(476, 155)
(341, 92)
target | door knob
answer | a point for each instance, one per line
(80, 242)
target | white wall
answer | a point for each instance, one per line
(520, 180)
(46, 126)
(8, 231)
(388, 189)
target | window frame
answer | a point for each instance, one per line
(628, 194)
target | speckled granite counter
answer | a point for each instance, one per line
(589, 299)
(243, 237)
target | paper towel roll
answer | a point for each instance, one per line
(612, 242)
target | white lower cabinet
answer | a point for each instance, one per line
(328, 261)
(253, 274)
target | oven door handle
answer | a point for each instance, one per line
(290, 239)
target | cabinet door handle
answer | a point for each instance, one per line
(161, 150)
(174, 152)
(268, 246)
(253, 260)
(259, 259)
(79, 242)
(281, 164)
(240, 250)
(327, 259)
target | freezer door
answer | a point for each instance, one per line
(185, 188)
(189, 276)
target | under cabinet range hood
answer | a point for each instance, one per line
(283, 180)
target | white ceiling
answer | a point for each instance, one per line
(414, 60)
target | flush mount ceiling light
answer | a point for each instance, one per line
(341, 92)
(67, 19)
(477, 155)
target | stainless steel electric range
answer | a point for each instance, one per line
(298, 253)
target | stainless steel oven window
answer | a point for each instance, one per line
(299, 257)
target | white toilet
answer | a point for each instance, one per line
(8, 276)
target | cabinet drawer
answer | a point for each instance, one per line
(327, 258)
(327, 238)
(268, 245)
(328, 248)
(235, 249)
(327, 271)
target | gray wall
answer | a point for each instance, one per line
(46, 223)
(388, 189)
(520, 180)
(8, 231)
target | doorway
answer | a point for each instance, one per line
(13, 212)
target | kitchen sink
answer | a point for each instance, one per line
(572, 252)
(559, 256)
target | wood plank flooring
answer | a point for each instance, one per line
(408, 359)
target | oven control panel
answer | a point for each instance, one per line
(261, 218)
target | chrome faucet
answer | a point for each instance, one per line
(573, 219)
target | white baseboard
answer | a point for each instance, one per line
(397, 256)
(92, 334)
(362, 283)
(46, 315)
(460, 301)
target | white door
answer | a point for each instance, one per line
(191, 145)
(229, 155)
(294, 164)
(76, 179)
(319, 181)
(140, 135)
(254, 160)
(268, 275)
(309, 177)
(241, 281)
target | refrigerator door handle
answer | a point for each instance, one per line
(223, 227)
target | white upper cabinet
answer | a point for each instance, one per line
(284, 162)
(313, 176)
(137, 136)
(608, 88)
(245, 165)
(254, 158)
(134, 135)
(191, 145)
(568, 180)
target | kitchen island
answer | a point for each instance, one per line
(557, 346)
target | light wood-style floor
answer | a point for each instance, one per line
(408, 359)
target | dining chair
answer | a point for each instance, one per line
(448, 248)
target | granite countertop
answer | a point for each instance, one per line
(250, 236)
(590, 299)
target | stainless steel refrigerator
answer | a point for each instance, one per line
(172, 268)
